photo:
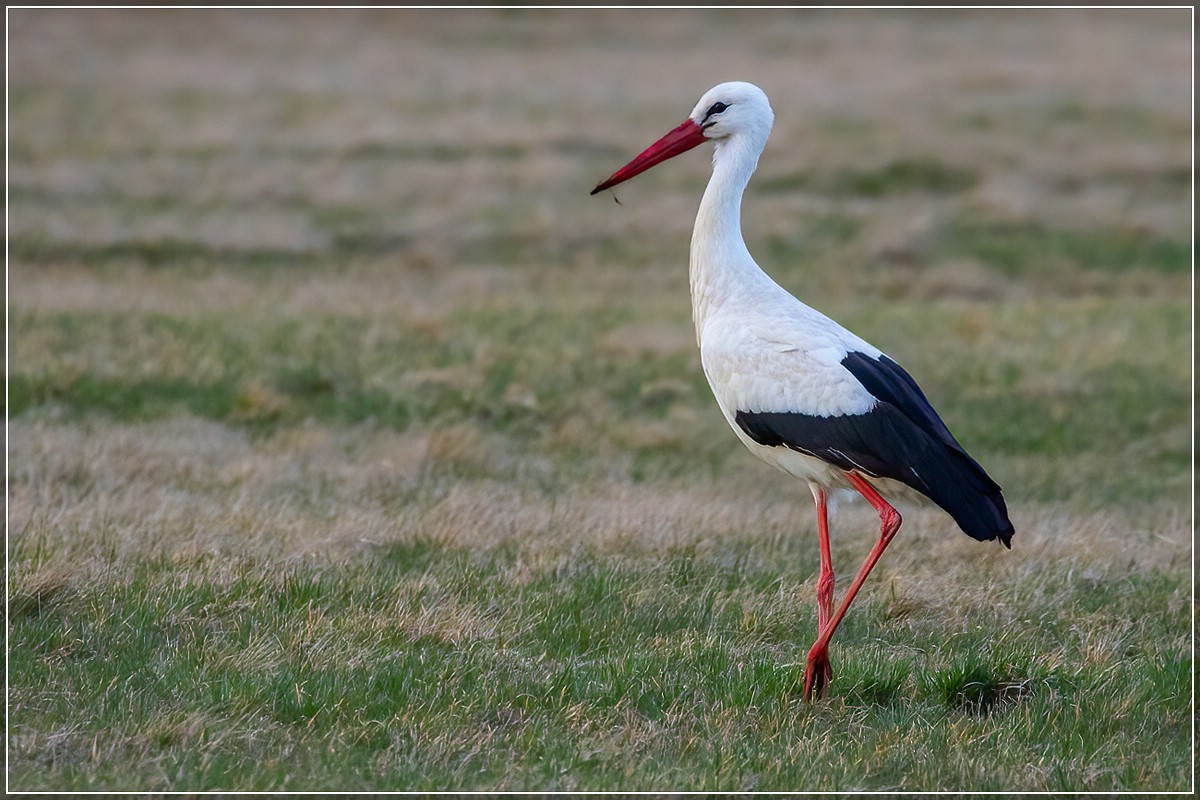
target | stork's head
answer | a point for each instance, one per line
(726, 111)
(733, 108)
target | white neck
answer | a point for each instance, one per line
(721, 266)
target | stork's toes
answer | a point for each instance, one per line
(817, 675)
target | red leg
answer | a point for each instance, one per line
(825, 579)
(815, 679)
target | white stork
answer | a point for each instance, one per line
(803, 393)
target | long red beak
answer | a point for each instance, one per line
(680, 140)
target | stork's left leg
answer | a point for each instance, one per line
(815, 679)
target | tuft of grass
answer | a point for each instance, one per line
(41, 590)
(978, 686)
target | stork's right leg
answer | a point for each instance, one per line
(823, 672)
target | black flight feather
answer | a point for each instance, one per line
(902, 438)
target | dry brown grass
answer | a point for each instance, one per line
(187, 486)
(527, 122)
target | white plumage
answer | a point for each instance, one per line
(800, 391)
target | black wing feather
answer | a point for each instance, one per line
(901, 438)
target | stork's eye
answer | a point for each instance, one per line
(715, 108)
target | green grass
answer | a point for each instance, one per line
(896, 177)
(585, 673)
(353, 446)
(1105, 400)
(1020, 248)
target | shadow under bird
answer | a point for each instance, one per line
(801, 392)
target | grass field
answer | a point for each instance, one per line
(352, 445)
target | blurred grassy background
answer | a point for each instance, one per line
(322, 294)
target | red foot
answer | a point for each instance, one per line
(817, 675)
